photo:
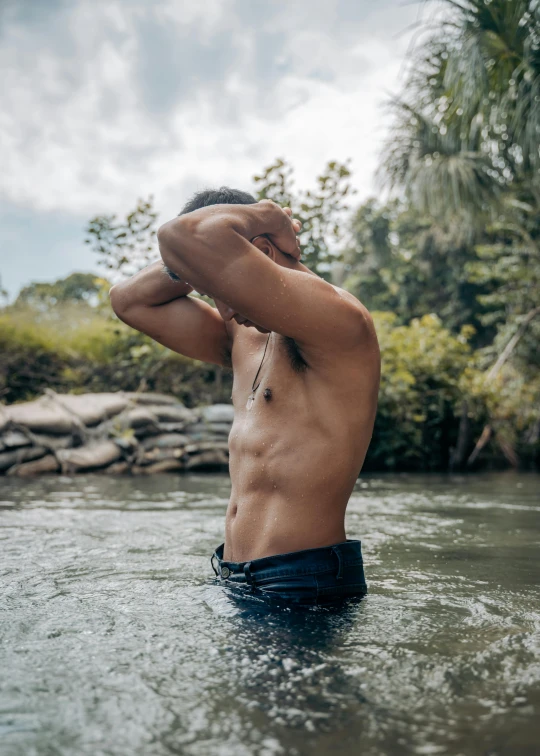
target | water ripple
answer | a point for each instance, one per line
(115, 640)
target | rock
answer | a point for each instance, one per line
(148, 398)
(173, 413)
(18, 456)
(92, 409)
(117, 468)
(4, 419)
(166, 465)
(222, 429)
(139, 419)
(218, 413)
(91, 456)
(165, 441)
(12, 439)
(155, 430)
(206, 437)
(207, 459)
(158, 455)
(172, 427)
(42, 416)
(218, 429)
(46, 464)
(207, 446)
(54, 442)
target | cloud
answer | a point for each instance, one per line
(104, 102)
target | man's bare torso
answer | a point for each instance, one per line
(295, 457)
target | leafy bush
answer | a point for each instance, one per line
(428, 376)
(30, 362)
(80, 350)
(417, 421)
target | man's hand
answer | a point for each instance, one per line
(281, 227)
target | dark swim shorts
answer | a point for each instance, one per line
(309, 577)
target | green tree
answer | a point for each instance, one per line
(422, 368)
(125, 246)
(321, 210)
(76, 288)
(466, 152)
(400, 261)
(467, 128)
(466, 146)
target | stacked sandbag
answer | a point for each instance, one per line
(141, 433)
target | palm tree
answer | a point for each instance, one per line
(467, 127)
(465, 149)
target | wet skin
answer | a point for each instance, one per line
(296, 454)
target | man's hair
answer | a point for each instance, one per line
(222, 196)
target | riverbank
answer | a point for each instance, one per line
(116, 433)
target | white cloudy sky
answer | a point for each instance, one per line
(105, 101)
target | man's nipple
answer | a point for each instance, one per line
(267, 394)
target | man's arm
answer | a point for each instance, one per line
(210, 248)
(155, 304)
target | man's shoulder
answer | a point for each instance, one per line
(359, 320)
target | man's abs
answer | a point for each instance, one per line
(294, 457)
(290, 488)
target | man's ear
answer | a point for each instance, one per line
(265, 246)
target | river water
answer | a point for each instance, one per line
(115, 641)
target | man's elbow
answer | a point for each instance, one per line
(119, 301)
(167, 239)
(176, 240)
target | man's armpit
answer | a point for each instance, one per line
(172, 275)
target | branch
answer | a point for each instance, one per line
(512, 344)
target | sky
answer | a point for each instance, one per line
(106, 101)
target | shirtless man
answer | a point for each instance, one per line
(306, 370)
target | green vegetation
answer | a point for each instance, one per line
(450, 265)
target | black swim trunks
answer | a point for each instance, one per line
(310, 577)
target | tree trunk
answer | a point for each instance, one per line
(482, 441)
(458, 454)
(512, 344)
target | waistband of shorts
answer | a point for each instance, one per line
(308, 561)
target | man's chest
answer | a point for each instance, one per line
(266, 366)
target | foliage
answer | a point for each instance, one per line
(422, 365)
(427, 374)
(507, 265)
(320, 210)
(399, 260)
(466, 145)
(465, 150)
(128, 245)
(30, 360)
(77, 287)
(468, 122)
(96, 354)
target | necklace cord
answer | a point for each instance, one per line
(253, 387)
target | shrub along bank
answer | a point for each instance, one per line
(434, 405)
